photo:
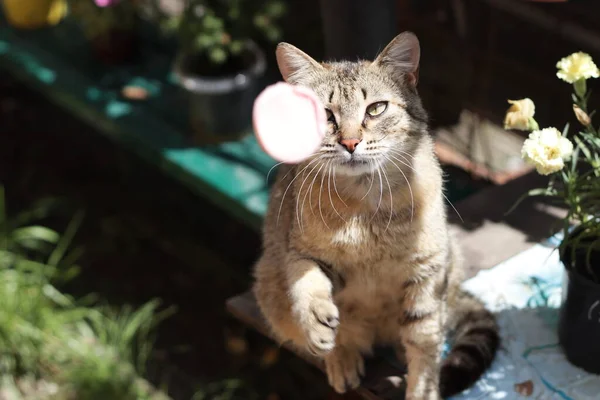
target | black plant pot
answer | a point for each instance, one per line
(579, 319)
(221, 102)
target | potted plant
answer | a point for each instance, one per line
(219, 62)
(109, 26)
(33, 14)
(572, 162)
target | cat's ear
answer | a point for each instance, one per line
(401, 56)
(294, 64)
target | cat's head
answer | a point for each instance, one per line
(375, 116)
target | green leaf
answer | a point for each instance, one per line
(565, 130)
(42, 271)
(134, 322)
(57, 297)
(574, 161)
(273, 34)
(212, 23)
(260, 21)
(3, 222)
(218, 55)
(592, 140)
(7, 259)
(583, 147)
(39, 210)
(205, 41)
(275, 9)
(37, 232)
(236, 47)
(234, 12)
(62, 247)
(171, 25)
(530, 193)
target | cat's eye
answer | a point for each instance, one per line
(330, 117)
(376, 109)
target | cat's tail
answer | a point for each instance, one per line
(475, 341)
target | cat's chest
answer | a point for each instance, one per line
(354, 241)
(351, 233)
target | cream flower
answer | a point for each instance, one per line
(577, 66)
(547, 150)
(520, 115)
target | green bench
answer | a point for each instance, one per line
(55, 62)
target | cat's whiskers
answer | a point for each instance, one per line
(412, 200)
(405, 162)
(380, 193)
(405, 154)
(320, 194)
(316, 156)
(300, 192)
(443, 194)
(452, 205)
(271, 170)
(291, 182)
(336, 190)
(309, 195)
(372, 180)
(391, 199)
(329, 190)
(312, 185)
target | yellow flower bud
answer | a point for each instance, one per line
(520, 115)
(582, 116)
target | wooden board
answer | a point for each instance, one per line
(380, 372)
(482, 148)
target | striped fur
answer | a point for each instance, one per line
(357, 250)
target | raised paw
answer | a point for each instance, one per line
(345, 368)
(320, 326)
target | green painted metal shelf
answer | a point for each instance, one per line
(56, 61)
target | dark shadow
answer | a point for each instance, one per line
(530, 216)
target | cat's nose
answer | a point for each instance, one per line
(350, 144)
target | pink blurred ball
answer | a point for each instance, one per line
(289, 122)
(106, 3)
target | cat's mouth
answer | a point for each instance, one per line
(356, 165)
(355, 162)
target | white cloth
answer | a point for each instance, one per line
(525, 292)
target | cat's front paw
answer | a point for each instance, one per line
(345, 368)
(320, 324)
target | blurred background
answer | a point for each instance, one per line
(132, 188)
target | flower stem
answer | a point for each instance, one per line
(580, 89)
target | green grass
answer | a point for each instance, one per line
(53, 346)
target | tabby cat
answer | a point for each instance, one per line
(356, 247)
